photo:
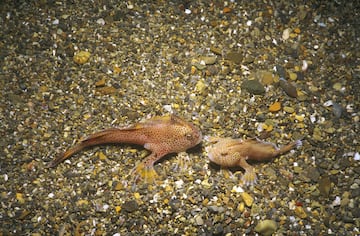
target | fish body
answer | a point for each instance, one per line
(228, 152)
(161, 135)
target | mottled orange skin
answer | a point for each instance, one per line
(228, 152)
(160, 135)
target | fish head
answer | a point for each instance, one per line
(188, 134)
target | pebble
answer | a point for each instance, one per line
(199, 220)
(216, 50)
(81, 57)
(300, 118)
(276, 106)
(280, 71)
(235, 57)
(247, 198)
(208, 60)
(292, 76)
(286, 34)
(337, 110)
(20, 198)
(130, 206)
(106, 90)
(312, 173)
(300, 212)
(289, 89)
(253, 87)
(265, 77)
(226, 10)
(288, 109)
(324, 186)
(200, 86)
(100, 83)
(337, 86)
(266, 227)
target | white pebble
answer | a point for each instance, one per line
(100, 21)
(328, 103)
(260, 128)
(55, 22)
(336, 202)
(312, 118)
(286, 34)
(237, 189)
(179, 183)
(357, 156)
(6, 177)
(105, 207)
(168, 108)
(187, 11)
(304, 66)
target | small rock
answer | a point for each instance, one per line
(292, 76)
(289, 109)
(200, 86)
(266, 227)
(300, 212)
(130, 206)
(276, 106)
(247, 199)
(265, 77)
(313, 173)
(337, 86)
(199, 220)
(234, 57)
(215, 50)
(280, 71)
(289, 89)
(286, 34)
(175, 204)
(253, 87)
(81, 57)
(324, 185)
(300, 118)
(219, 230)
(100, 83)
(106, 90)
(208, 60)
(337, 110)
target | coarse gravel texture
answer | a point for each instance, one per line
(217, 64)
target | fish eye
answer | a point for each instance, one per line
(189, 136)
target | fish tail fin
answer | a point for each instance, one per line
(290, 146)
(101, 137)
(65, 155)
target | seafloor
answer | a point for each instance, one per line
(71, 68)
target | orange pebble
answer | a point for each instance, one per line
(226, 10)
(276, 106)
(297, 30)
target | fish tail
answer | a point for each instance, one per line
(290, 146)
(65, 155)
(102, 137)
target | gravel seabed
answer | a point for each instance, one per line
(71, 68)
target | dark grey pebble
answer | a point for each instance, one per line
(313, 173)
(337, 110)
(130, 206)
(289, 89)
(253, 87)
